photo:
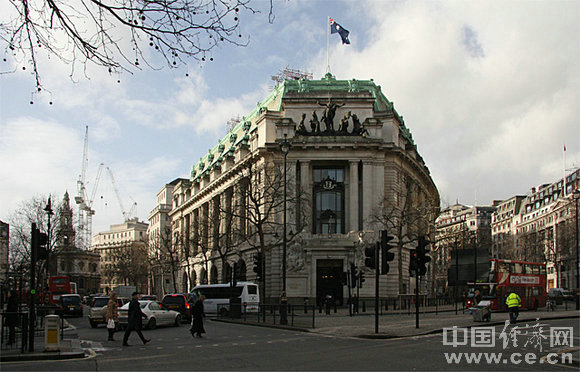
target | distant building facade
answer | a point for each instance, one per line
(4, 251)
(123, 255)
(541, 227)
(81, 266)
(463, 246)
(352, 161)
(162, 279)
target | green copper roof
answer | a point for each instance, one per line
(240, 133)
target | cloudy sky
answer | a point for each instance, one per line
(490, 91)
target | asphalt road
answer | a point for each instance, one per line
(241, 347)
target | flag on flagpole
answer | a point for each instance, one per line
(335, 28)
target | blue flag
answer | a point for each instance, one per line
(335, 28)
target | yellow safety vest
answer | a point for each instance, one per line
(513, 300)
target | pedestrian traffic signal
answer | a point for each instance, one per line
(259, 266)
(370, 257)
(39, 245)
(386, 256)
(413, 262)
(422, 258)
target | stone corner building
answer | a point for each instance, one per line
(351, 171)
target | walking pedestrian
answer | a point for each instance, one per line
(477, 296)
(12, 316)
(197, 321)
(513, 302)
(134, 320)
(112, 315)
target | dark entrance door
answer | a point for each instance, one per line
(328, 280)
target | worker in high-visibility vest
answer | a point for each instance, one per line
(513, 302)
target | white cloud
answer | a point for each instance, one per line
(35, 158)
(492, 119)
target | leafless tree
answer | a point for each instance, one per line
(256, 220)
(20, 221)
(406, 216)
(164, 256)
(128, 264)
(116, 34)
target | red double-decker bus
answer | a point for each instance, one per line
(58, 285)
(527, 279)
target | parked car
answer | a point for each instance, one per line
(181, 303)
(157, 315)
(70, 304)
(556, 295)
(148, 297)
(98, 310)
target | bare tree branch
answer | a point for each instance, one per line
(115, 34)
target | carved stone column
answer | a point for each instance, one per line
(353, 196)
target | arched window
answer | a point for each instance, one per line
(203, 276)
(213, 278)
(227, 273)
(242, 270)
(184, 283)
(193, 278)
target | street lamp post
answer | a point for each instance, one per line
(49, 213)
(285, 148)
(576, 196)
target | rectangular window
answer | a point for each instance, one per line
(328, 200)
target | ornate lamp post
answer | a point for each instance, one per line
(49, 213)
(285, 148)
(576, 197)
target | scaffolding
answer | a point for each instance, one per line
(291, 74)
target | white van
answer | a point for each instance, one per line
(217, 296)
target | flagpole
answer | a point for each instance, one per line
(564, 179)
(328, 45)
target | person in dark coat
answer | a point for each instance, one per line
(134, 320)
(197, 321)
(11, 316)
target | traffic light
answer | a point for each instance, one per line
(259, 266)
(353, 275)
(39, 244)
(413, 262)
(361, 278)
(422, 258)
(370, 257)
(344, 278)
(386, 256)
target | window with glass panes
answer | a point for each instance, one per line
(328, 200)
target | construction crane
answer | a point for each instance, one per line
(126, 214)
(85, 204)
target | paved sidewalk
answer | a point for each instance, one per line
(404, 325)
(393, 324)
(70, 348)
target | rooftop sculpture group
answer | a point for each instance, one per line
(328, 120)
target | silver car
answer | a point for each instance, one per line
(157, 315)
